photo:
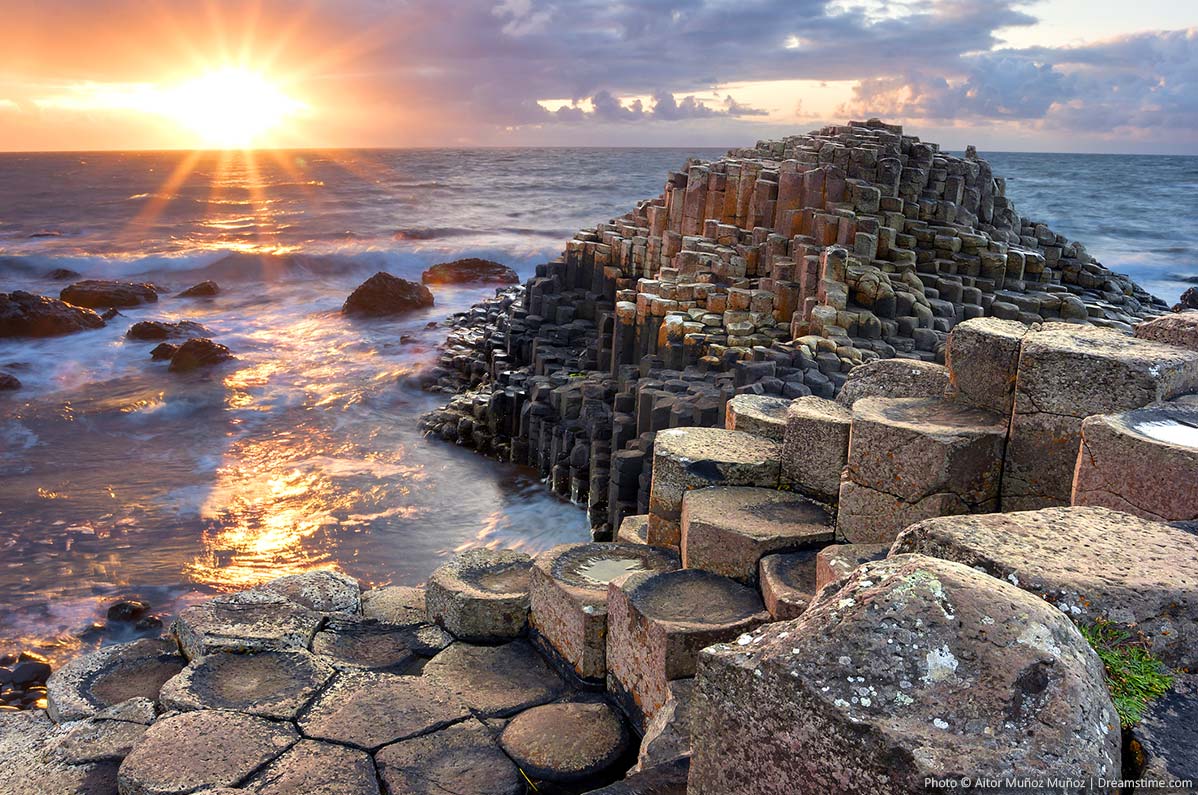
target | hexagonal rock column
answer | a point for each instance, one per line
(245, 622)
(760, 415)
(982, 357)
(634, 529)
(317, 768)
(88, 684)
(788, 583)
(567, 742)
(271, 684)
(462, 758)
(374, 645)
(1067, 373)
(1144, 462)
(197, 750)
(322, 590)
(893, 378)
(658, 622)
(728, 529)
(496, 681)
(925, 669)
(694, 458)
(1164, 744)
(837, 561)
(1088, 562)
(815, 447)
(914, 458)
(369, 710)
(395, 604)
(568, 590)
(481, 595)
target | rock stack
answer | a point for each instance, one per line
(774, 271)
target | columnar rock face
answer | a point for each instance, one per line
(1090, 563)
(692, 458)
(914, 458)
(923, 668)
(773, 271)
(568, 590)
(893, 378)
(1065, 375)
(982, 357)
(759, 415)
(815, 447)
(657, 623)
(728, 529)
(1144, 462)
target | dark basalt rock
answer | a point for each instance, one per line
(469, 270)
(383, 294)
(99, 294)
(9, 382)
(27, 315)
(62, 274)
(205, 289)
(163, 350)
(1188, 300)
(161, 330)
(127, 610)
(199, 352)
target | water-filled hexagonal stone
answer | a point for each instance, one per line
(568, 590)
(481, 595)
(273, 684)
(788, 582)
(114, 674)
(197, 750)
(496, 681)
(370, 709)
(657, 623)
(566, 742)
(462, 758)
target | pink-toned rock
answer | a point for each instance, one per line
(1179, 328)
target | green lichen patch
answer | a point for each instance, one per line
(1134, 677)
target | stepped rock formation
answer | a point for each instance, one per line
(775, 270)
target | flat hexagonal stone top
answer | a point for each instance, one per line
(707, 449)
(489, 572)
(761, 513)
(693, 598)
(195, 750)
(481, 595)
(395, 604)
(315, 768)
(463, 758)
(585, 569)
(1089, 562)
(29, 768)
(324, 591)
(378, 646)
(114, 674)
(272, 684)
(98, 741)
(566, 742)
(245, 622)
(788, 582)
(929, 416)
(369, 709)
(496, 681)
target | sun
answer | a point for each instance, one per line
(231, 108)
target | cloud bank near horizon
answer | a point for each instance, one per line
(594, 71)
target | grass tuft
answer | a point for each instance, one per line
(1134, 677)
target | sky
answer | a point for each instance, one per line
(1013, 75)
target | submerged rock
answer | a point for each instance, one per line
(100, 294)
(9, 382)
(62, 274)
(198, 352)
(205, 289)
(471, 269)
(27, 315)
(384, 294)
(161, 330)
(163, 351)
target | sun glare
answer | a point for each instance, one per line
(231, 108)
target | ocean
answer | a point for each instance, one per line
(119, 479)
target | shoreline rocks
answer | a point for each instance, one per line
(27, 315)
(471, 270)
(103, 294)
(383, 294)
